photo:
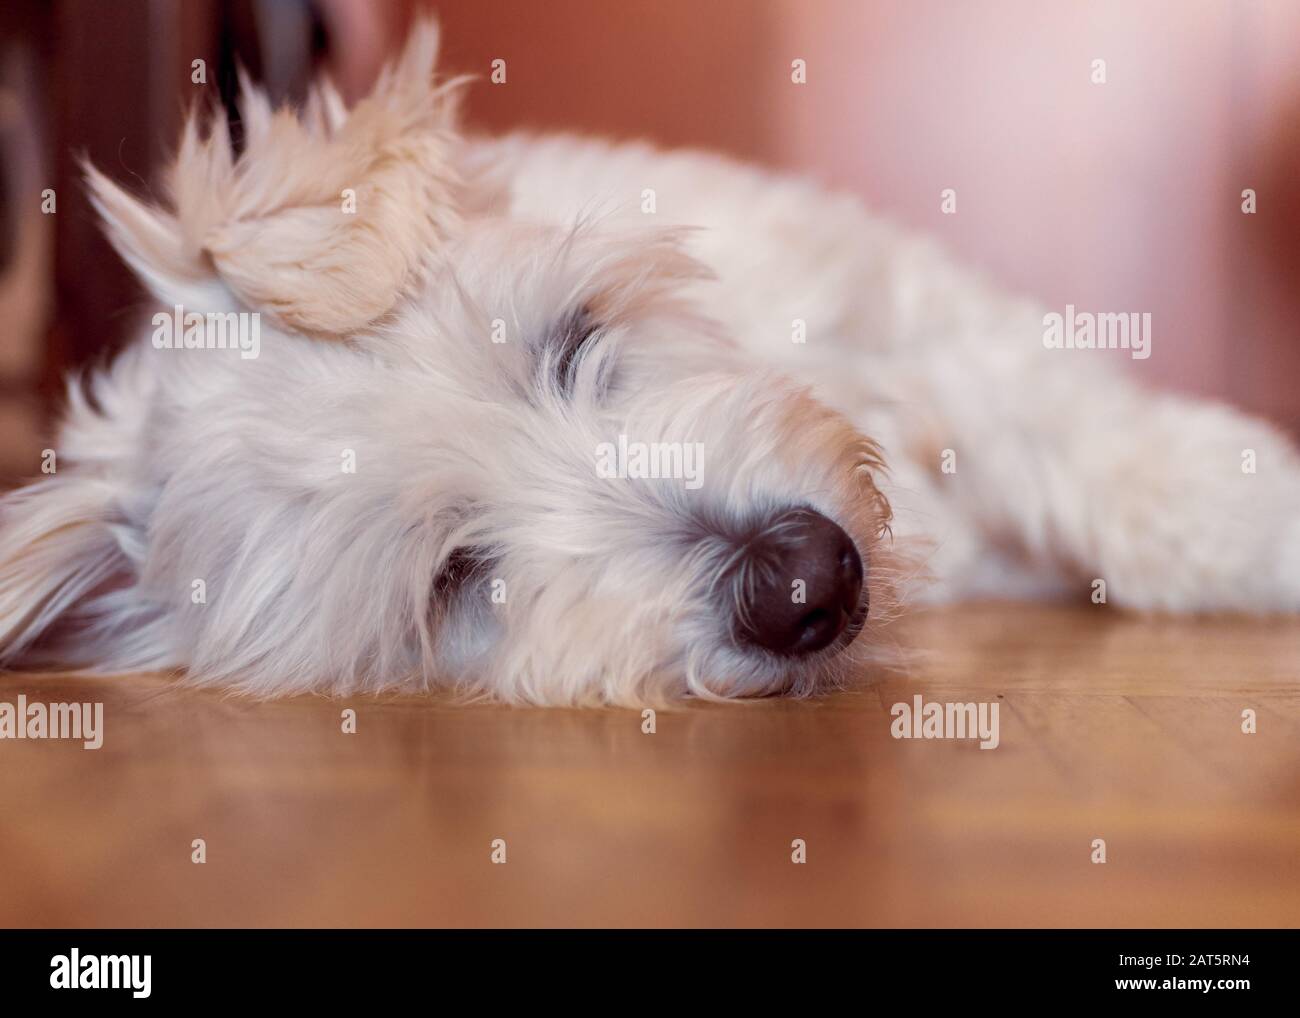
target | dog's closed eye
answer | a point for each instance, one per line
(462, 567)
(563, 349)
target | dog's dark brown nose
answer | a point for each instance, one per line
(801, 585)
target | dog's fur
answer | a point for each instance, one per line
(474, 459)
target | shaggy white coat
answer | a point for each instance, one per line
(429, 338)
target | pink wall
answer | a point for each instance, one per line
(1122, 196)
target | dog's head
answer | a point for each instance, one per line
(506, 454)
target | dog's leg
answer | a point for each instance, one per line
(56, 547)
(1069, 469)
(66, 541)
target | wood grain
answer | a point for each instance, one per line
(1112, 727)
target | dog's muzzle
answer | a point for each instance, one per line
(805, 589)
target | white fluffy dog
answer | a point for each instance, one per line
(523, 424)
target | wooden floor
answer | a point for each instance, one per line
(1111, 727)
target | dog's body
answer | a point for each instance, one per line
(402, 488)
(1063, 470)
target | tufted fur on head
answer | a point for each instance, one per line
(405, 487)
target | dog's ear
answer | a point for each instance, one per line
(324, 218)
